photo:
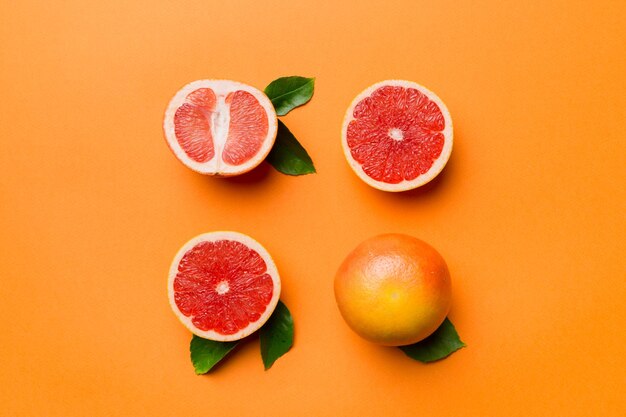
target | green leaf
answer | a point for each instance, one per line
(288, 156)
(288, 93)
(205, 354)
(276, 335)
(443, 342)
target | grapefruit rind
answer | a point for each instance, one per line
(438, 164)
(272, 271)
(216, 166)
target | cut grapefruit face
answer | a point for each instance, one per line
(223, 286)
(397, 135)
(220, 127)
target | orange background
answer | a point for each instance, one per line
(529, 212)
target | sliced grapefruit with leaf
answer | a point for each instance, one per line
(397, 135)
(223, 286)
(220, 127)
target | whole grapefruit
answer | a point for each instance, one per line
(393, 290)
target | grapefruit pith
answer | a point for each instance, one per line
(223, 285)
(393, 290)
(220, 127)
(397, 135)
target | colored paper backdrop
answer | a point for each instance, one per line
(529, 212)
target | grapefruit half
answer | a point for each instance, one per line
(220, 127)
(397, 135)
(223, 285)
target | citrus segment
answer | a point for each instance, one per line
(192, 124)
(397, 135)
(220, 127)
(248, 128)
(223, 285)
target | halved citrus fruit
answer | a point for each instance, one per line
(397, 135)
(223, 285)
(220, 127)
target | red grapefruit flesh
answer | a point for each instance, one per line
(223, 285)
(220, 127)
(397, 135)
